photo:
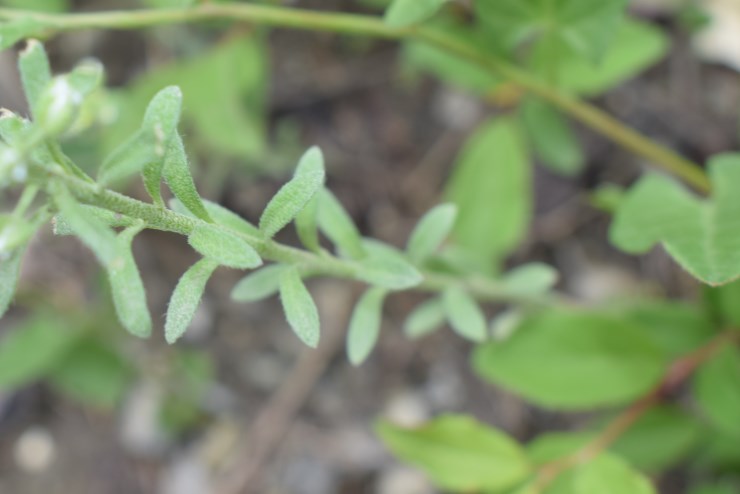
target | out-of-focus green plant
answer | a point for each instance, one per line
(554, 352)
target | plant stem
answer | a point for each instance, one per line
(678, 372)
(363, 25)
(325, 264)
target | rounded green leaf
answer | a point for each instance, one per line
(387, 267)
(127, 289)
(364, 326)
(573, 360)
(459, 453)
(259, 285)
(464, 314)
(425, 318)
(186, 298)
(530, 279)
(300, 309)
(431, 231)
(223, 247)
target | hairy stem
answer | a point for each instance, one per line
(363, 25)
(677, 374)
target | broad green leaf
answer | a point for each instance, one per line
(724, 301)
(572, 360)
(636, 47)
(223, 247)
(530, 279)
(660, 439)
(464, 314)
(717, 391)
(259, 284)
(29, 351)
(609, 474)
(127, 289)
(92, 373)
(552, 137)
(431, 231)
(33, 65)
(459, 454)
(338, 226)
(386, 267)
(300, 309)
(13, 31)
(699, 234)
(225, 95)
(586, 26)
(402, 13)
(150, 143)
(364, 326)
(10, 266)
(306, 225)
(426, 318)
(220, 215)
(293, 196)
(490, 184)
(186, 298)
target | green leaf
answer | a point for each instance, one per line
(717, 391)
(13, 31)
(224, 247)
(402, 13)
(464, 314)
(530, 279)
(431, 231)
(300, 309)
(659, 440)
(572, 360)
(364, 326)
(31, 350)
(386, 267)
(150, 143)
(186, 298)
(636, 47)
(92, 373)
(177, 175)
(699, 234)
(221, 216)
(552, 137)
(127, 289)
(259, 284)
(609, 474)
(491, 187)
(338, 226)
(108, 217)
(459, 453)
(293, 196)
(10, 267)
(425, 318)
(307, 227)
(725, 303)
(33, 65)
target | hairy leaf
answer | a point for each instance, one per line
(259, 284)
(293, 196)
(177, 175)
(699, 234)
(13, 31)
(129, 296)
(402, 13)
(464, 314)
(566, 359)
(364, 326)
(300, 309)
(306, 225)
(33, 65)
(338, 226)
(387, 267)
(425, 318)
(530, 279)
(224, 247)
(186, 298)
(431, 231)
(459, 453)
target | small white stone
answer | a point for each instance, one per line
(35, 450)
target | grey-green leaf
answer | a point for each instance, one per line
(259, 284)
(293, 196)
(33, 65)
(464, 314)
(177, 175)
(186, 298)
(129, 296)
(10, 266)
(425, 318)
(699, 234)
(224, 247)
(387, 267)
(552, 137)
(364, 326)
(306, 225)
(431, 231)
(14, 31)
(402, 13)
(530, 279)
(300, 309)
(220, 215)
(337, 225)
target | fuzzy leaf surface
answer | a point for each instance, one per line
(186, 298)
(431, 231)
(364, 326)
(224, 247)
(300, 309)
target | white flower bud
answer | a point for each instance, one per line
(58, 106)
